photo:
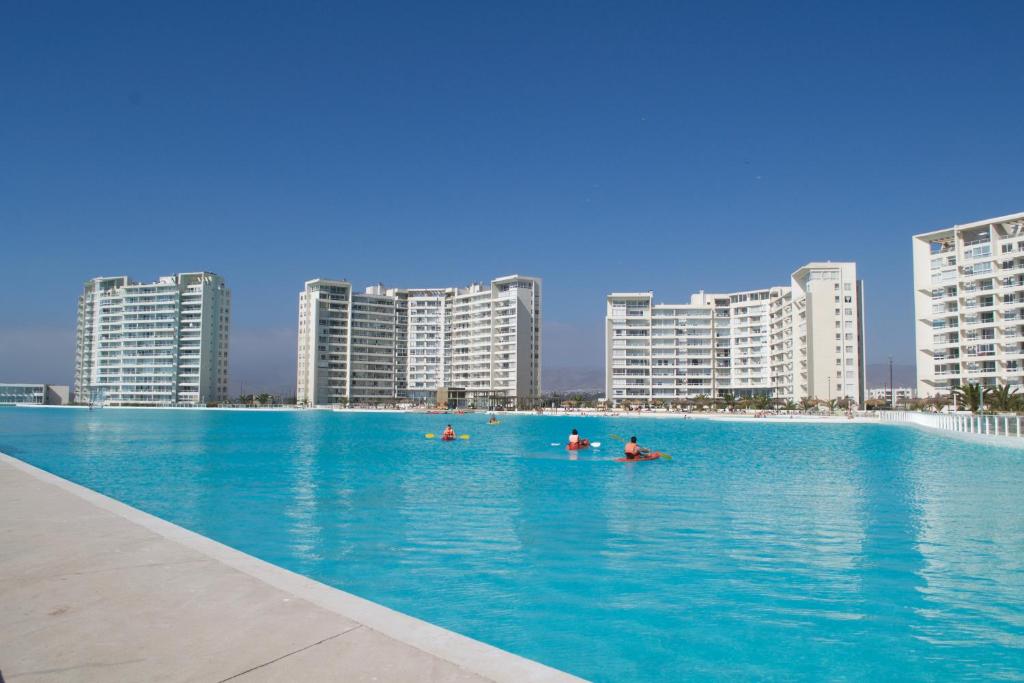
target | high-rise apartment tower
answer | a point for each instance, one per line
(152, 344)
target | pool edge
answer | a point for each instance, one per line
(468, 654)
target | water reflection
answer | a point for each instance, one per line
(304, 470)
(971, 536)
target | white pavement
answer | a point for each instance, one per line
(94, 590)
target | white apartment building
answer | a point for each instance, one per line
(408, 343)
(969, 305)
(789, 343)
(427, 362)
(901, 394)
(157, 343)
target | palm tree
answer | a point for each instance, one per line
(761, 402)
(807, 403)
(1003, 398)
(789, 406)
(938, 402)
(832, 403)
(727, 399)
(971, 396)
(263, 399)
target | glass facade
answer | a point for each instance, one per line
(22, 393)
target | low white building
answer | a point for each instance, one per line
(34, 394)
(902, 394)
(386, 343)
(160, 343)
(801, 341)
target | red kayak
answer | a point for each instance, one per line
(649, 456)
(579, 445)
(447, 438)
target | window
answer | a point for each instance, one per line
(847, 287)
(848, 311)
(848, 299)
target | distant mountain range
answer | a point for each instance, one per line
(562, 380)
(592, 379)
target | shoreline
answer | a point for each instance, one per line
(714, 417)
(577, 413)
(583, 413)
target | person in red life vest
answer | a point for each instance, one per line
(633, 450)
(575, 442)
(448, 434)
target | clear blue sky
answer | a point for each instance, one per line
(667, 146)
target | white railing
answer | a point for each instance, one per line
(967, 423)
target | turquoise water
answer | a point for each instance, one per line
(762, 551)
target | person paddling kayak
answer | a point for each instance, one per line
(633, 450)
(448, 434)
(575, 442)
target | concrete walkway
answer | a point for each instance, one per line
(94, 590)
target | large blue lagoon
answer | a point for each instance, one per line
(759, 551)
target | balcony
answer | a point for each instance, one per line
(978, 251)
(973, 321)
